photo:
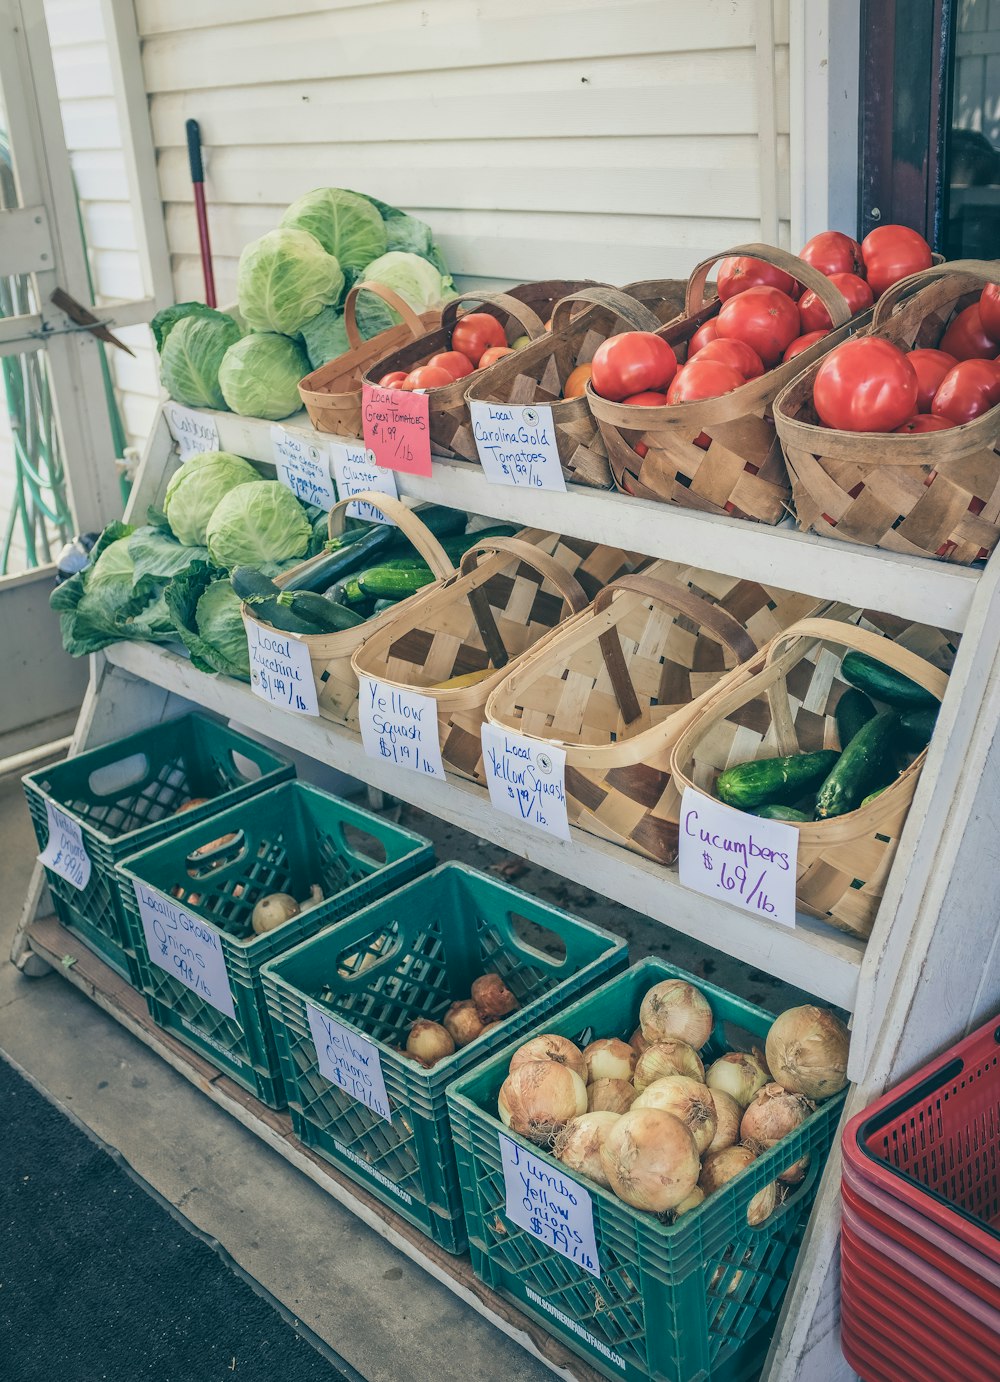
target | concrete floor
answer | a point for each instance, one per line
(382, 1313)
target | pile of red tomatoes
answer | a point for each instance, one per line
(478, 340)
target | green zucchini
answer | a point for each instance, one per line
(917, 726)
(325, 570)
(327, 615)
(251, 586)
(868, 674)
(776, 812)
(388, 583)
(442, 521)
(854, 710)
(382, 605)
(867, 763)
(774, 780)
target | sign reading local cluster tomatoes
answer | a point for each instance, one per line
(397, 429)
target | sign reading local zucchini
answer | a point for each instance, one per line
(399, 726)
(65, 853)
(185, 947)
(355, 471)
(303, 468)
(280, 669)
(397, 429)
(349, 1061)
(734, 857)
(517, 445)
(192, 431)
(527, 779)
(552, 1206)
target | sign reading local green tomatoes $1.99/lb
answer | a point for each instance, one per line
(397, 430)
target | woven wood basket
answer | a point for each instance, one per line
(331, 653)
(721, 455)
(615, 687)
(509, 594)
(934, 494)
(332, 393)
(522, 311)
(538, 373)
(786, 705)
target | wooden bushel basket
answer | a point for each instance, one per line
(721, 455)
(615, 687)
(538, 373)
(522, 312)
(934, 494)
(509, 594)
(330, 653)
(332, 393)
(787, 705)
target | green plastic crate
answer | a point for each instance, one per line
(124, 796)
(285, 841)
(680, 1303)
(411, 955)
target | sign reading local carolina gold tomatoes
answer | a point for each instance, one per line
(397, 429)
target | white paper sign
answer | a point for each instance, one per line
(185, 947)
(517, 445)
(400, 727)
(527, 780)
(738, 858)
(280, 669)
(65, 852)
(356, 471)
(350, 1061)
(304, 468)
(192, 431)
(552, 1206)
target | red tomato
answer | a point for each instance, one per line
(427, 377)
(891, 253)
(393, 380)
(649, 399)
(865, 385)
(802, 343)
(703, 379)
(931, 367)
(966, 339)
(967, 391)
(476, 332)
(457, 364)
(766, 319)
(814, 315)
(832, 252)
(737, 275)
(634, 362)
(989, 310)
(491, 356)
(742, 357)
(705, 333)
(924, 422)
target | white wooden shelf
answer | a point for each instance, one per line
(932, 592)
(813, 956)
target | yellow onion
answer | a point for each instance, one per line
(551, 1047)
(579, 1144)
(190, 804)
(668, 1057)
(738, 1074)
(539, 1098)
(719, 1168)
(463, 1022)
(638, 1042)
(272, 911)
(687, 1099)
(609, 1059)
(650, 1159)
(674, 1008)
(492, 997)
(807, 1052)
(429, 1042)
(727, 1120)
(774, 1114)
(737, 1277)
(610, 1096)
(692, 1201)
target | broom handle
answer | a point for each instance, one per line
(201, 211)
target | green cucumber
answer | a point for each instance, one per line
(872, 795)
(917, 726)
(868, 674)
(382, 605)
(388, 583)
(776, 812)
(854, 710)
(774, 780)
(327, 615)
(867, 763)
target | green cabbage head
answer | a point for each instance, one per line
(191, 356)
(258, 523)
(345, 224)
(325, 337)
(284, 279)
(414, 278)
(259, 375)
(196, 488)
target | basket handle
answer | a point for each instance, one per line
(408, 522)
(520, 311)
(905, 287)
(568, 586)
(682, 601)
(831, 298)
(639, 317)
(392, 299)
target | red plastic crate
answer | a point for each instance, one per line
(870, 1363)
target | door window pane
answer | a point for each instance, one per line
(973, 163)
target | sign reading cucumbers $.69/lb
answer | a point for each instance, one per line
(303, 468)
(552, 1206)
(397, 429)
(349, 1061)
(399, 726)
(734, 857)
(280, 669)
(65, 853)
(183, 946)
(192, 431)
(517, 444)
(355, 471)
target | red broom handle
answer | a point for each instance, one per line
(198, 184)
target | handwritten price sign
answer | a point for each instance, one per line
(356, 472)
(739, 858)
(193, 432)
(303, 468)
(527, 780)
(349, 1061)
(280, 669)
(400, 727)
(185, 947)
(517, 445)
(554, 1208)
(397, 429)
(65, 852)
